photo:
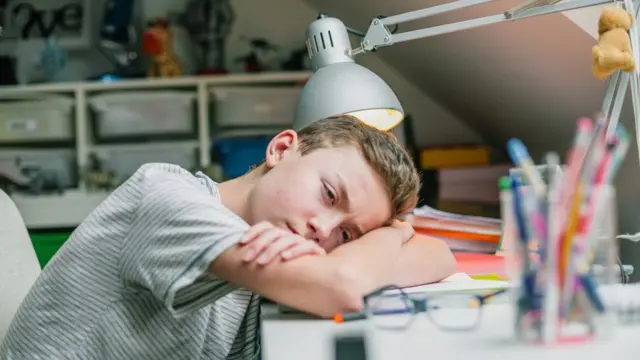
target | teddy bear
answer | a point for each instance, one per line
(613, 51)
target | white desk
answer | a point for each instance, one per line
(291, 337)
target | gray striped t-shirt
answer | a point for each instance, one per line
(133, 280)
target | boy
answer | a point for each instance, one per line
(171, 264)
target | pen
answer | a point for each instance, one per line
(589, 285)
(528, 275)
(525, 302)
(566, 251)
(520, 156)
(575, 163)
(551, 304)
(343, 317)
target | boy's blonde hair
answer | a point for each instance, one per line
(381, 150)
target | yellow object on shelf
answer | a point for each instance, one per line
(438, 158)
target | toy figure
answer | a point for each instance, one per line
(613, 51)
(258, 58)
(96, 178)
(118, 40)
(158, 44)
(53, 58)
(209, 24)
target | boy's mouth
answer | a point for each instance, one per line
(292, 229)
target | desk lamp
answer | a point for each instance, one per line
(340, 86)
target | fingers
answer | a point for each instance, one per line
(276, 247)
(405, 227)
(305, 247)
(262, 241)
(255, 231)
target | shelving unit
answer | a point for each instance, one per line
(68, 209)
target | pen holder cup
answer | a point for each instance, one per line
(563, 298)
(509, 245)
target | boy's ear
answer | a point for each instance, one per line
(282, 145)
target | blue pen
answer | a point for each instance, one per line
(528, 277)
(520, 156)
(590, 288)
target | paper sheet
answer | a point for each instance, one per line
(430, 212)
(460, 276)
(458, 285)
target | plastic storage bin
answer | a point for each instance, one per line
(238, 155)
(254, 106)
(57, 163)
(37, 120)
(126, 115)
(125, 160)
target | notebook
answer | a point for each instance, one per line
(462, 284)
(456, 283)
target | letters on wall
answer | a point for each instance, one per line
(67, 20)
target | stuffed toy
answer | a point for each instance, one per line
(613, 51)
(158, 44)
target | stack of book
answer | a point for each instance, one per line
(462, 233)
(471, 190)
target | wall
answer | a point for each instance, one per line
(284, 22)
(434, 123)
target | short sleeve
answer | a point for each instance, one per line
(178, 229)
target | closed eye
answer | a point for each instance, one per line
(346, 236)
(331, 195)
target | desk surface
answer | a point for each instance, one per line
(294, 337)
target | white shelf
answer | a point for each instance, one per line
(180, 82)
(57, 211)
(182, 144)
(69, 209)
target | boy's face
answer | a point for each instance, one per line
(330, 195)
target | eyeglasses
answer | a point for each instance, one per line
(392, 308)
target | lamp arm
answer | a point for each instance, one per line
(378, 34)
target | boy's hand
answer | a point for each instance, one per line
(265, 242)
(407, 231)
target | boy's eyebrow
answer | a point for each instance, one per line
(342, 189)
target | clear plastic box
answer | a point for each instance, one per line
(143, 114)
(37, 120)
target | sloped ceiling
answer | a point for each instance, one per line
(586, 18)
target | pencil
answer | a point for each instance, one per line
(340, 317)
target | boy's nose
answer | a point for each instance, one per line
(322, 226)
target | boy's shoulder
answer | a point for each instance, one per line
(156, 172)
(160, 177)
(168, 188)
(174, 200)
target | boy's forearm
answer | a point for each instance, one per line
(369, 260)
(423, 260)
(321, 285)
